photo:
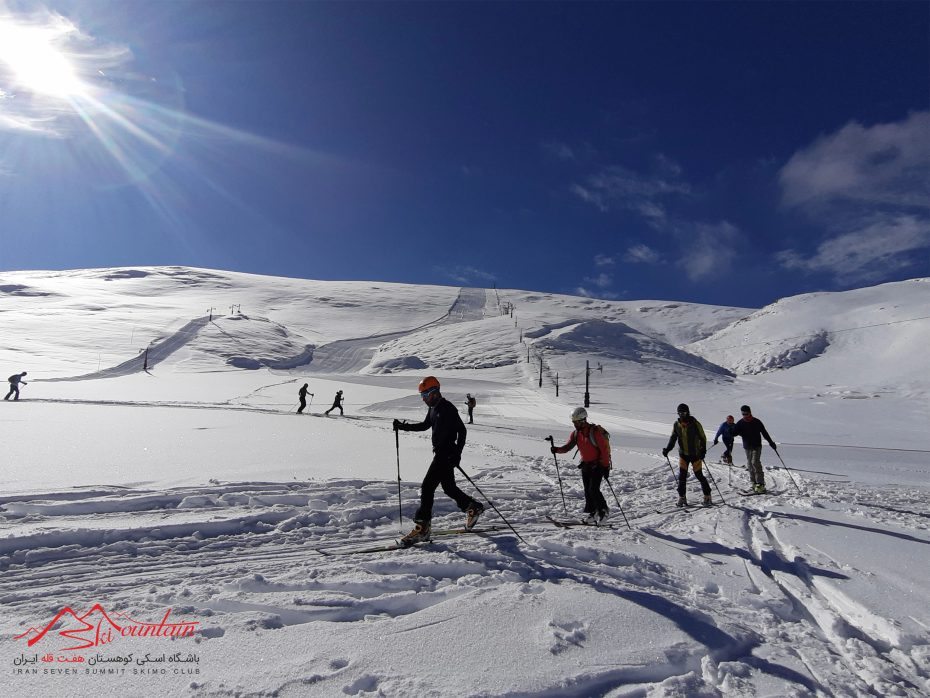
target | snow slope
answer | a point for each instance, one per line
(192, 486)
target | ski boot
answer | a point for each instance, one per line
(419, 534)
(590, 518)
(682, 502)
(759, 489)
(473, 512)
(602, 514)
(707, 501)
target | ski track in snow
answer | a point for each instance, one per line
(258, 549)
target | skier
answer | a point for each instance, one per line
(752, 431)
(448, 441)
(595, 462)
(692, 447)
(470, 403)
(337, 402)
(15, 381)
(302, 395)
(726, 432)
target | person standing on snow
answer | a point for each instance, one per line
(470, 403)
(15, 381)
(448, 441)
(726, 432)
(752, 431)
(692, 447)
(302, 395)
(337, 402)
(595, 462)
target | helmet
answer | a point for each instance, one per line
(683, 409)
(427, 384)
(579, 413)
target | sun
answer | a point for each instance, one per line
(35, 63)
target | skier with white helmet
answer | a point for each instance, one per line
(594, 448)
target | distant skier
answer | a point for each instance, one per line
(15, 381)
(725, 431)
(594, 448)
(752, 431)
(302, 395)
(470, 403)
(448, 441)
(337, 402)
(692, 447)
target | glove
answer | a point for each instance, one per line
(397, 424)
(774, 446)
(701, 454)
(552, 449)
(665, 452)
(715, 442)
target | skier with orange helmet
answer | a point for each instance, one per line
(448, 441)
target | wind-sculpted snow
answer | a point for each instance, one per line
(193, 497)
(818, 335)
(725, 601)
(636, 357)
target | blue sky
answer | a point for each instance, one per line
(727, 153)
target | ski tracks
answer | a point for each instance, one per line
(846, 648)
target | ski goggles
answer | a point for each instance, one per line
(426, 393)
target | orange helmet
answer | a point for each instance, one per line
(428, 383)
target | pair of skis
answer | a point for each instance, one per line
(396, 545)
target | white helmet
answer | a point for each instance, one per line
(579, 413)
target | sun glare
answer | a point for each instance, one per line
(35, 63)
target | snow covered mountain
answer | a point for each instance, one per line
(155, 474)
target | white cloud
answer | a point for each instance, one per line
(884, 164)
(870, 189)
(603, 260)
(708, 249)
(641, 254)
(868, 254)
(619, 187)
(601, 280)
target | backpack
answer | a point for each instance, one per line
(598, 429)
(472, 402)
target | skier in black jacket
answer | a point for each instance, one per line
(448, 441)
(753, 430)
(337, 403)
(302, 396)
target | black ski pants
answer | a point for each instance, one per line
(441, 472)
(698, 465)
(591, 476)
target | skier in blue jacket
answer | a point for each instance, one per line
(726, 432)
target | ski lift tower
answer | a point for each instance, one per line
(587, 381)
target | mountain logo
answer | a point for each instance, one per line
(96, 627)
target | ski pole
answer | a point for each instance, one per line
(489, 502)
(607, 480)
(787, 470)
(400, 509)
(552, 441)
(715, 482)
(674, 478)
